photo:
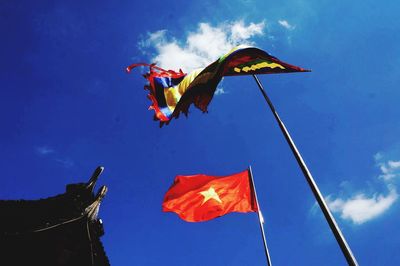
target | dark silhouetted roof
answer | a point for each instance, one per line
(59, 230)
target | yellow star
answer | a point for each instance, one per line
(210, 194)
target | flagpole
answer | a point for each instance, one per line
(351, 260)
(260, 218)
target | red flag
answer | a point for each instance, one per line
(198, 198)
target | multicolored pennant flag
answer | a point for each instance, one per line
(173, 92)
(199, 198)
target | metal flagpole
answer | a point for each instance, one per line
(260, 218)
(351, 260)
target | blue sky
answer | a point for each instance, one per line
(67, 106)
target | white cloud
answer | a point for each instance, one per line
(286, 25)
(394, 164)
(241, 32)
(44, 150)
(389, 169)
(220, 91)
(156, 36)
(201, 47)
(361, 208)
(378, 156)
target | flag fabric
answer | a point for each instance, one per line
(173, 92)
(198, 198)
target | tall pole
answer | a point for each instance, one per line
(260, 219)
(351, 260)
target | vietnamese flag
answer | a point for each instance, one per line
(198, 198)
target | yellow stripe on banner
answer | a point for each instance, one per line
(255, 67)
(172, 97)
(188, 79)
(174, 94)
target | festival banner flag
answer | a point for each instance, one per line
(173, 92)
(199, 198)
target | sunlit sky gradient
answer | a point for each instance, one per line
(67, 106)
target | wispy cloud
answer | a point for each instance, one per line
(44, 150)
(67, 163)
(286, 25)
(200, 47)
(390, 170)
(53, 155)
(362, 207)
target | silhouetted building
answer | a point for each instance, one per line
(59, 230)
